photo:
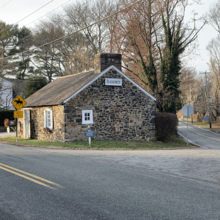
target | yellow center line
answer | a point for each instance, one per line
(201, 134)
(25, 177)
(32, 175)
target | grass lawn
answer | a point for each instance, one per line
(175, 143)
(215, 127)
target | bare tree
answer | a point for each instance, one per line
(188, 85)
(154, 38)
(214, 65)
(47, 60)
(84, 13)
(213, 16)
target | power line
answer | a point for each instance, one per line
(30, 14)
(44, 16)
(99, 21)
(34, 11)
(48, 13)
(5, 4)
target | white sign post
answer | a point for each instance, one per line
(187, 110)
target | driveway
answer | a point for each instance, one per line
(5, 134)
(204, 138)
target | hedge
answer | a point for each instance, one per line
(166, 125)
(6, 114)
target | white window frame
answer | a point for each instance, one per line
(48, 118)
(85, 121)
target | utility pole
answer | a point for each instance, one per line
(207, 91)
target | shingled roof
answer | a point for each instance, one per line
(60, 89)
(64, 88)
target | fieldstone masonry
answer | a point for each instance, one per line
(119, 112)
(37, 124)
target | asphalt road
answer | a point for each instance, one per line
(204, 138)
(62, 184)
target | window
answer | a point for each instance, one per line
(87, 117)
(48, 119)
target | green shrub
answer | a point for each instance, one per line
(6, 114)
(166, 125)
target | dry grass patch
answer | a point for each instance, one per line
(175, 143)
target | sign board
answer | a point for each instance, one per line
(12, 123)
(113, 82)
(187, 110)
(89, 133)
(18, 114)
(206, 118)
(19, 102)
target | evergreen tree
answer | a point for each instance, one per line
(33, 84)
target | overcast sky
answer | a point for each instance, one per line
(16, 10)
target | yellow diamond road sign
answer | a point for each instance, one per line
(19, 102)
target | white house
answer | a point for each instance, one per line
(6, 94)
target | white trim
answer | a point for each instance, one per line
(46, 118)
(185, 138)
(25, 122)
(85, 122)
(101, 74)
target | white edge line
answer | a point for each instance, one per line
(199, 127)
(191, 141)
(105, 71)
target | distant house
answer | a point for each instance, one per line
(6, 94)
(106, 99)
(9, 89)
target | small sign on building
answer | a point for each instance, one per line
(113, 82)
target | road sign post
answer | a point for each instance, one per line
(187, 110)
(89, 133)
(18, 103)
(16, 130)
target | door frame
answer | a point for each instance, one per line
(29, 124)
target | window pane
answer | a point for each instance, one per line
(48, 119)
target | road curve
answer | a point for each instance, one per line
(204, 138)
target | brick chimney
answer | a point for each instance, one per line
(104, 60)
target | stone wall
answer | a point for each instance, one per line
(37, 124)
(119, 113)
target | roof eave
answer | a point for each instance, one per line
(102, 73)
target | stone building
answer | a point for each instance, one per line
(106, 99)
